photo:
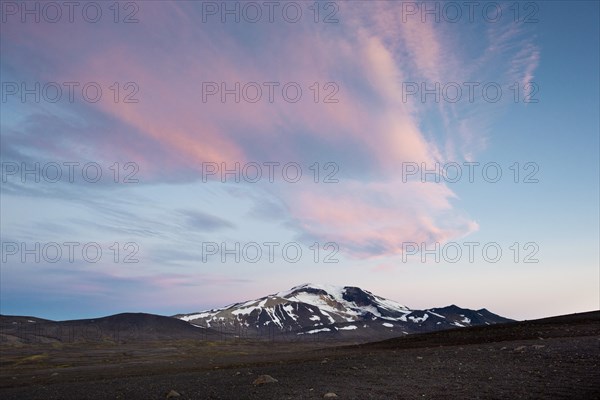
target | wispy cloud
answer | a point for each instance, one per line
(369, 133)
(197, 220)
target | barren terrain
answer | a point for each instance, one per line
(551, 358)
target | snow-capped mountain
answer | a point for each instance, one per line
(333, 310)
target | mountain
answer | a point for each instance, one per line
(125, 327)
(305, 312)
(336, 312)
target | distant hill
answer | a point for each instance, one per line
(116, 328)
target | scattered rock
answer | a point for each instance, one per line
(325, 361)
(520, 348)
(330, 395)
(262, 379)
(419, 358)
(172, 394)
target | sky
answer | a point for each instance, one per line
(171, 157)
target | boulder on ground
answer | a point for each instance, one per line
(262, 379)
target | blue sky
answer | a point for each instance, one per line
(167, 211)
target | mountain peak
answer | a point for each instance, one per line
(331, 289)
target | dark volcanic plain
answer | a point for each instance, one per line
(553, 358)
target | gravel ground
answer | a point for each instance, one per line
(555, 360)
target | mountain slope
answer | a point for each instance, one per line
(125, 327)
(335, 311)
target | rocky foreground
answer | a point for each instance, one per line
(550, 358)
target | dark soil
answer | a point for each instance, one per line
(556, 358)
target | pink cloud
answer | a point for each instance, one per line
(369, 59)
(376, 218)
